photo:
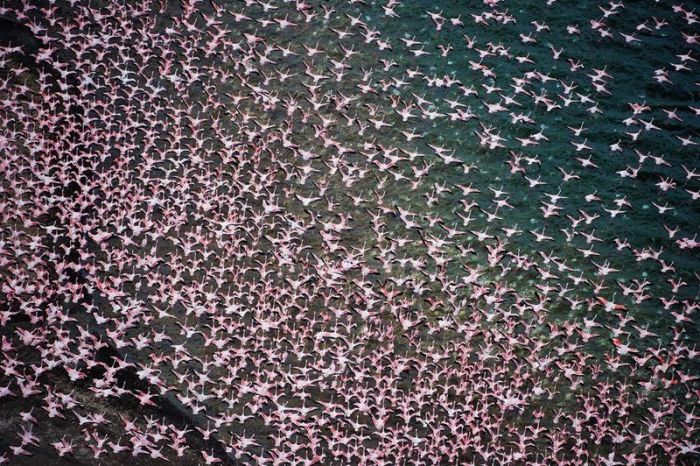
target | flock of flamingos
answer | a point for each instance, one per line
(298, 232)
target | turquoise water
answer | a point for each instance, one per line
(277, 239)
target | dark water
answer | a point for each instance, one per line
(472, 338)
